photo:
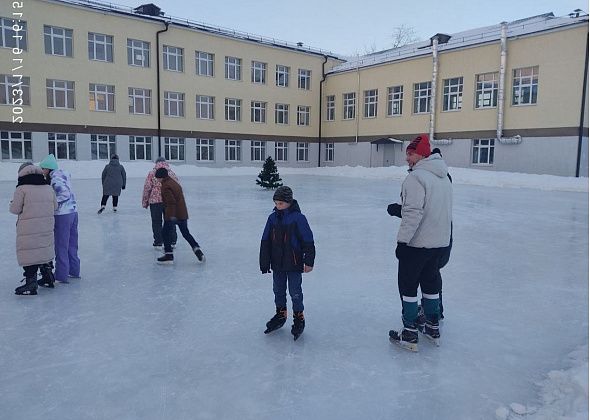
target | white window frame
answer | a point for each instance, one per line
(304, 79)
(101, 97)
(303, 115)
(257, 151)
(205, 107)
(349, 106)
(55, 38)
(302, 152)
(258, 73)
(138, 53)
(174, 104)
(205, 150)
(109, 142)
(258, 112)
(8, 37)
(233, 150)
(422, 97)
(452, 94)
(329, 152)
(281, 151)
(142, 144)
(9, 140)
(205, 63)
(282, 75)
(173, 58)
(8, 83)
(371, 97)
(174, 149)
(233, 109)
(100, 47)
(525, 86)
(395, 100)
(233, 68)
(282, 114)
(482, 152)
(58, 88)
(140, 101)
(67, 141)
(486, 90)
(330, 107)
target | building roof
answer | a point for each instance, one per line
(472, 37)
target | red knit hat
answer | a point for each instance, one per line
(420, 145)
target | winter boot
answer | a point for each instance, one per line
(47, 277)
(167, 258)
(276, 321)
(432, 332)
(407, 338)
(29, 288)
(298, 324)
(199, 254)
(100, 210)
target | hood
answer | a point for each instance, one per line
(293, 208)
(433, 163)
(29, 170)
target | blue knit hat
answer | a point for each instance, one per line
(49, 162)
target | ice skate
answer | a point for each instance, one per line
(29, 288)
(298, 325)
(432, 332)
(166, 259)
(100, 210)
(407, 338)
(47, 277)
(199, 254)
(276, 321)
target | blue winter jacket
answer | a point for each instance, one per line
(287, 241)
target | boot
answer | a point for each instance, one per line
(115, 209)
(298, 324)
(100, 210)
(29, 288)
(167, 258)
(276, 321)
(407, 338)
(199, 254)
(47, 277)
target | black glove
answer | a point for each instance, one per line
(395, 209)
(400, 250)
(265, 270)
(123, 187)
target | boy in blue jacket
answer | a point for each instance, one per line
(288, 249)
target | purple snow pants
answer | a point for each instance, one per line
(66, 246)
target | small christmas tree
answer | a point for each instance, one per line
(269, 176)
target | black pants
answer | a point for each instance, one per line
(169, 228)
(103, 202)
(157, 213)
(419, 267)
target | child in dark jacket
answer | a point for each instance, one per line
(288, 249)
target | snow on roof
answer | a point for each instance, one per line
(482, 35)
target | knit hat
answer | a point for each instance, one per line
(160, 159)
(115, 156)
(49, 163)
(420, 145)
(161, 173)
(24, 165)
(284, 194)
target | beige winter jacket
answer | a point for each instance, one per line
(34, 204)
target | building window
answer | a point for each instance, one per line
(304, 79)
(62, 145)
(174, 149)
(58, 41)
(173, 58)
(330, 108)
(9, 37)
(452, 94)
(140, 101)
(486, 90)
(302, 152)
(100, 47)
(233, 68)
(258, 111)
(205, 107)
(281, 114)
(205, 150)
(138, 53)
(16, 145)
(525, 83)
(422, 95)
(102, 146)
(102, 97)
(483, 152)
(282, 76)
(349, 100)
(174, 104)
(281, 149)
(60, 94)
(233, 150)
(140, 148)
(371, 103)
(204, 63)
(233, 108)
(329, 152)
(258, 72)
(395, 100)
(257, 150)
(8, 84)
(303, 115)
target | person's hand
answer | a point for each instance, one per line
(145, 206)
(395, 209)
(307, 268)
(123, 187)
(400, 250)
(265, 270)
(173, 219)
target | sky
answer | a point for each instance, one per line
(353, 26)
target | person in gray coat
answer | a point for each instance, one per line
(114, 180)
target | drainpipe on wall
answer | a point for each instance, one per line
(582, 111)
(358, 99)
(320, 122)
(500, 123)
(433, 87)
(158, 87)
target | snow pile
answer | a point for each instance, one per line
(93, 169)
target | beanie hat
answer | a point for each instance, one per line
(420, 145)
(436, 150)
(49, 163)
(161, 173)
(284, 194)
(24, 165)
(160, 159)
(115, 156)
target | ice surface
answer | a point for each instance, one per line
(134, 340)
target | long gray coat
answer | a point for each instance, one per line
(34, 205)
(114, 178)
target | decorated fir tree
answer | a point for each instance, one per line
(269, 176)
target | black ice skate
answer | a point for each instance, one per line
(100, 210)
(432, 332)
(407, 338)
(276, 321)
(29, 288)
(199, 254)
(47, 277)
(298, 324)
(166, 259)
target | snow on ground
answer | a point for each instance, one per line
(133, 340)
